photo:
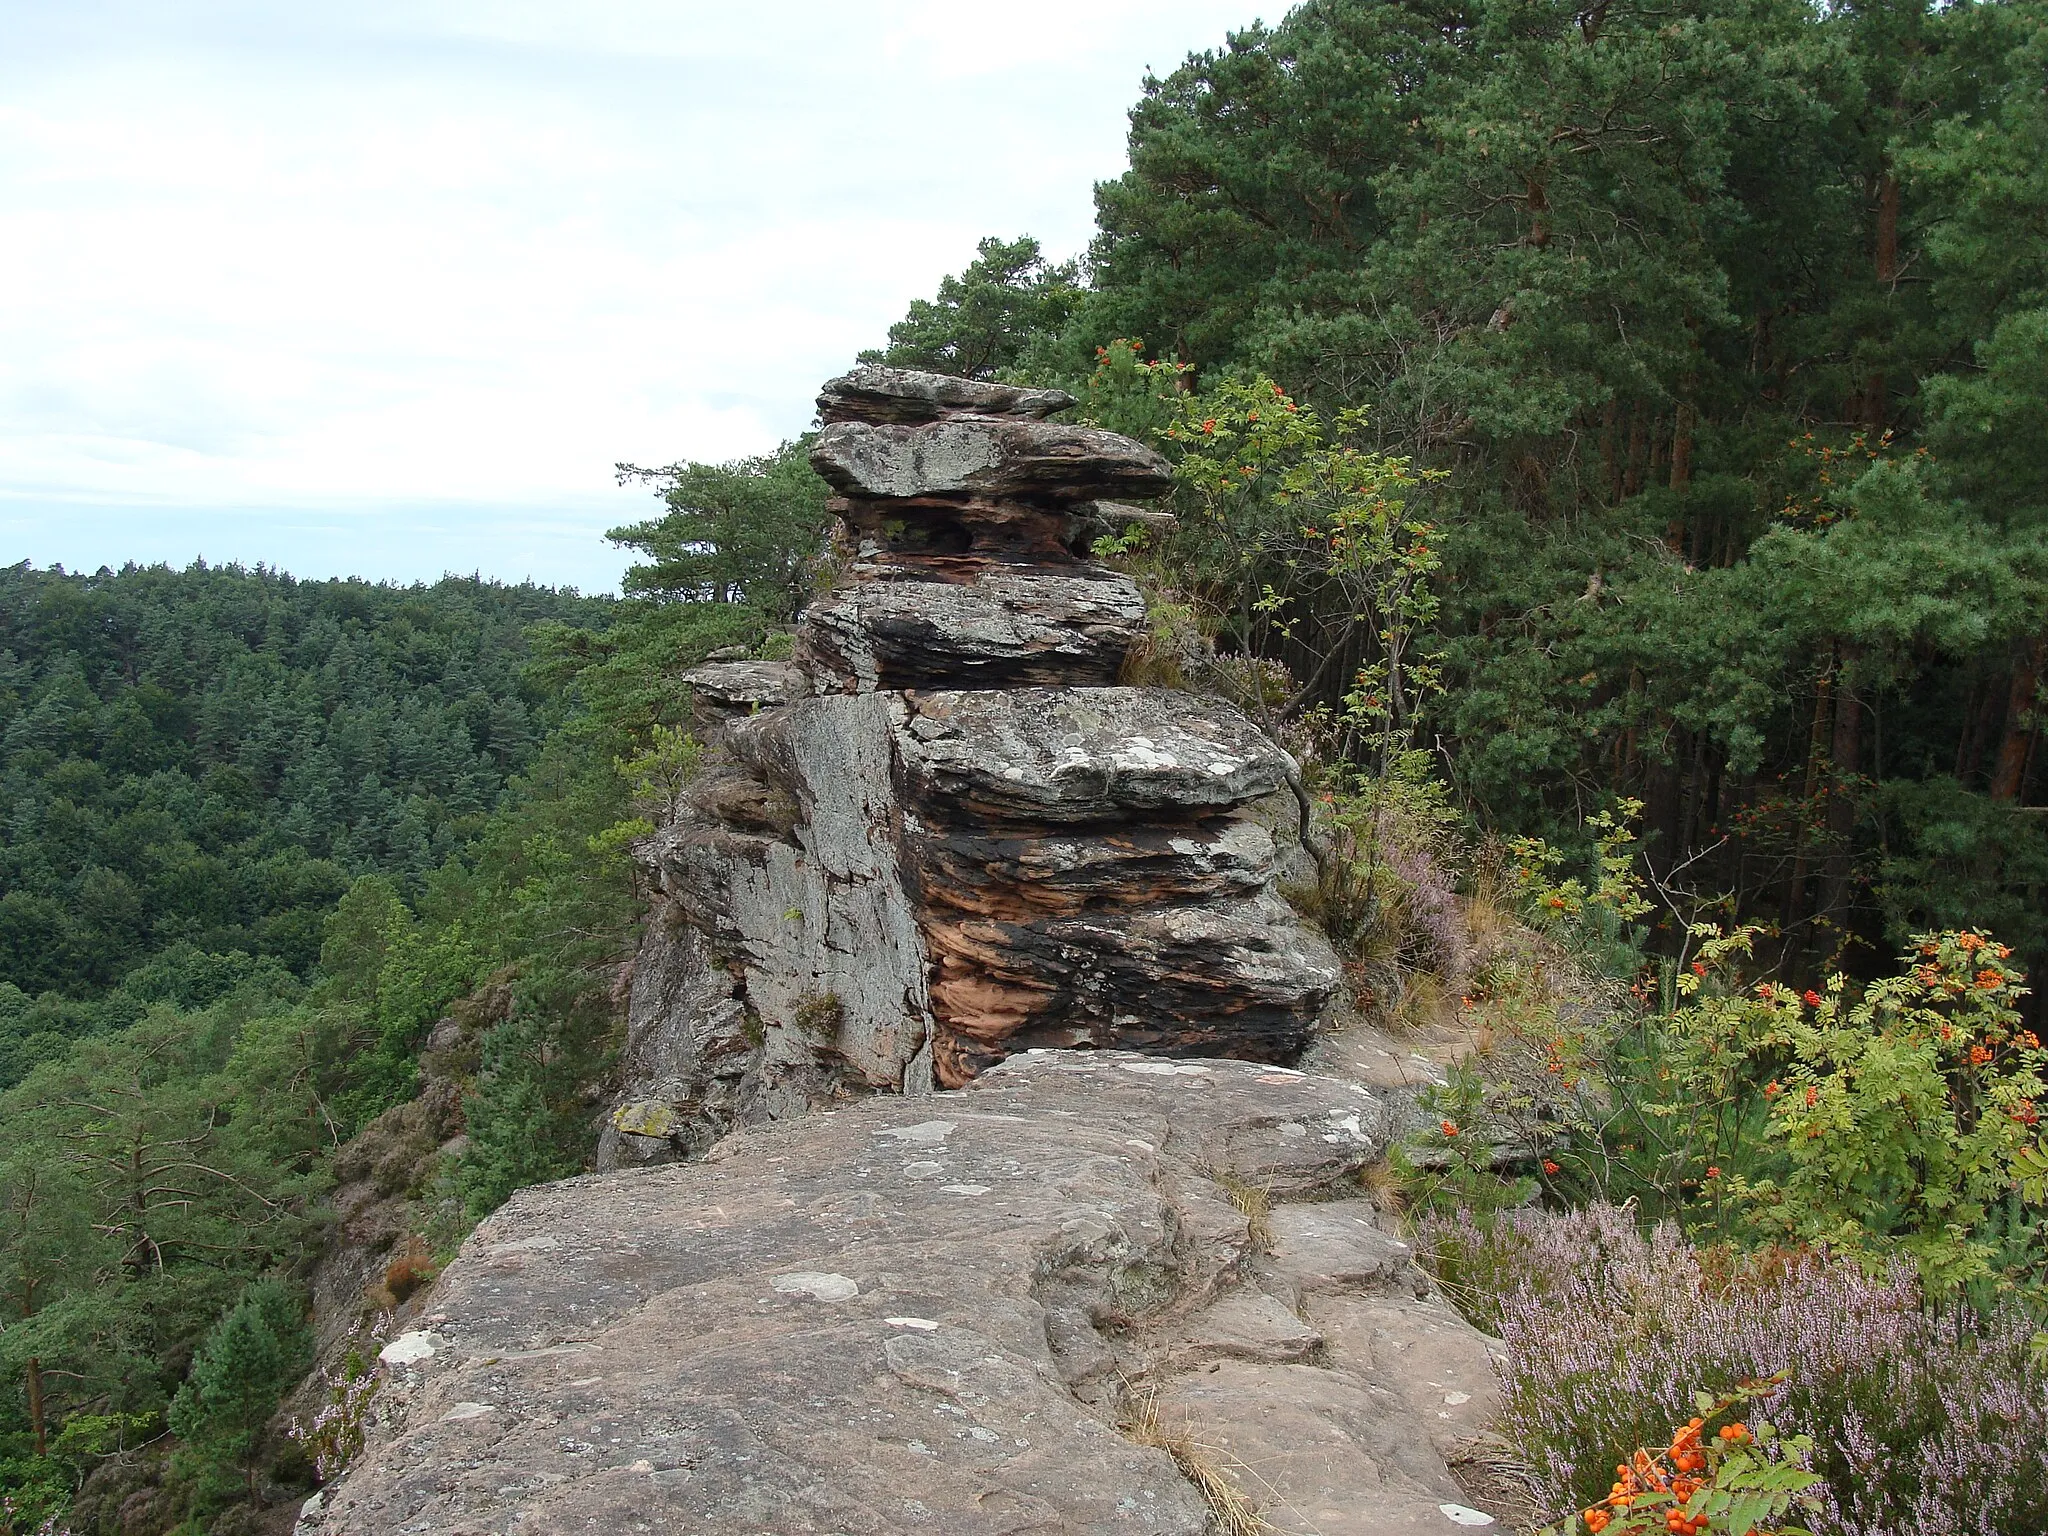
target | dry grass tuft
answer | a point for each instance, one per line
(1201, 1465)
(1252, 1202)
(1383, 1182)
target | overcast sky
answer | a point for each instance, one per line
(385, 287)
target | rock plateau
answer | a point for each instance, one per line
(1058, 1300)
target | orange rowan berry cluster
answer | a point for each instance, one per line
(1653, 1488)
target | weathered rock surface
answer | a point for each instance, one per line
(943, 832)
(1242, 976)
(986, 457)
(895, 396)
(1003, 628)
(937, 1316)
(1078, 755)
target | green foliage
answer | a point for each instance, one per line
(1895, 1119)
(196, 764)
(1903, 1116)
(752, 531)
(997, 316)
(248, 1360)
(1724, 328)
(1290, 528)
(1598, 919)
(661, 771)
(1447, 1165)
(514, 1130)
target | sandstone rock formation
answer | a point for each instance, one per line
(1052, 1302)
(943, 832)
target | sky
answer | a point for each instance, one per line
(386, 287)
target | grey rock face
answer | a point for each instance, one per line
(943, 832)
(894, 396)
(969, 457)
(930, 1316)
(1006, 627)
(1067, 755)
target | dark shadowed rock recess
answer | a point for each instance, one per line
(1046, 1303)
(943, 832)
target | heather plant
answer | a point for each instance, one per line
(1923, 1415)
(17, 1518)
(1387, 892)
(335, 1433)
(36, 1507)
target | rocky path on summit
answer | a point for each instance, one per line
(944, 1316)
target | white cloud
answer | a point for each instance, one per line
(328, 264)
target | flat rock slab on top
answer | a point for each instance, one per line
(987, 457)
(859, 1321)
(748, 683)
(898, 396)
(1077, 755)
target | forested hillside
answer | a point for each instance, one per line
(195, 765)
(1611, 450)
(1726, 330)
(260, 835)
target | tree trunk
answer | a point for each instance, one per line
(1539, 205)
(1793, 907)
(1875, 387)
(1610, 450)
(37, 1414)
(1681, 448)
(2020, 724)
(1847, 757)
(1638, 450)
(1985, 718)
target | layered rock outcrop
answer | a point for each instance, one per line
(944, 832)
(1062, 1300)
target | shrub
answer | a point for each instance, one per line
(1923, 1418)
(338, 1429)
(1896, 1119)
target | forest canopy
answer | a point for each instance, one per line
(1725, 330)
